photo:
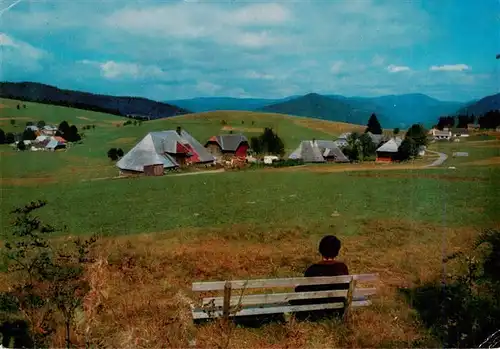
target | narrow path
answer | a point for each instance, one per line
(437, 162)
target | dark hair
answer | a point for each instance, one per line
(329, 246)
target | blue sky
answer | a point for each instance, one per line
(181, 49)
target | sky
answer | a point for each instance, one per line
(166, 50)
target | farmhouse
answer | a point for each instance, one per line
(376, 138)
(49, 130)
(342, 140)
(472, 127)
(388, 151)
(170, 149)
(56, 143)
(441, 135)
(233, 145)
(460, 132)
(319, 151)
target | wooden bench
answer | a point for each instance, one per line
(234, 302)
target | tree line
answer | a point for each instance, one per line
(489, 120)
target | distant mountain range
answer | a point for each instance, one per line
(392, 110)
(35, 92)
(482, 106)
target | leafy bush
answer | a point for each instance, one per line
(267, 143)
(464, 310)
(21, 146)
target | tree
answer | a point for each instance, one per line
(354, 149)
(407, 150)
(373, 125)
(10, 138)
(29, 123)
(395, 131)
(28, 135)
(119, 152)
(21, 146)
(41, 124)
(18, 107)
(255, 145)
(2, 137)
(368, 147)
(12, 122)
(48, 278)
(418, 134)
(113, 154)
(445, 121)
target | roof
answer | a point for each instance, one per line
(316, 151)
(32, 127)
(59, 139)
(460, 130)
(344, 135)
(376, 138)
(41, 138)
(391, 146)
(50, 128)
(441, 133)
(229, 142)
(159, 147)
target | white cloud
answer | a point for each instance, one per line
(378, 60)
(260, 14)
(208, 87)
(397, 68)
(336, 67)
(252, 74)
(19, 54)
(203, 21)
(125, 70)
(450, 67)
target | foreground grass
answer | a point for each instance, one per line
(140, 287)
(323, 201)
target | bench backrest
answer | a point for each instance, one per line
(239, 304)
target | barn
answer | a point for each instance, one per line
(389, 150)
(171, 149)
(233, 145)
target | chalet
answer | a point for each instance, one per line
(56, 143)
(389, 150)
(319, 151)
(170, 149)
(342, 140)
(48, 130)
(233, 145)
(32, 128)
(472, 127)
(376, 138)
(441, 135)
(460, 132)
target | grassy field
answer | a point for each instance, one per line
(88, 160)
(158, 235)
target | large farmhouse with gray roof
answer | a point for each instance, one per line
(388, 151)
(164, 150)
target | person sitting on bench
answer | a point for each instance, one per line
(329, 248)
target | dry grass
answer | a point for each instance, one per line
(141, 286)
(329, 127)
(243, 129)
(27, 181)
(85, 118)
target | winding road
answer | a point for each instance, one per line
(437, 162)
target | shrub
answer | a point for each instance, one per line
(113, 154)
(21, 146)
(119, 152)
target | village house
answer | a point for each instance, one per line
(48, 130)
(460, 132)
(318, 151)
(341, 141)
(164, 150)
(438, 135)
(472, 127)
(228, 145)
(388, 151)
(32, 128)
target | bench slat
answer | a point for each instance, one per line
(284, 297)
(284, 282)
(200, 314)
